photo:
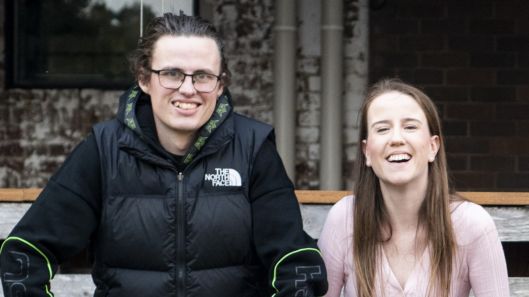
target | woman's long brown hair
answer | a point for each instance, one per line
(370, 214)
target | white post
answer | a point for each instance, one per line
(332, 59)
(285, 82)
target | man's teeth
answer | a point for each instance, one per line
(185, 105)
(399, 157)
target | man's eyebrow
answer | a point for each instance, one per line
(202, 70)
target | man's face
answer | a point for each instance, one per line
(183, 111)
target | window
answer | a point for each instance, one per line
(77, 43)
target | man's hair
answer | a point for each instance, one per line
(173, 25)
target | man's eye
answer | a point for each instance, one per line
(202, 76)
(172, 73)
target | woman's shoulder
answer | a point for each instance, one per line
(341, 211)
(470, 221)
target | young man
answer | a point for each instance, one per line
(177, 196)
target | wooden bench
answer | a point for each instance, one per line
(510, 211)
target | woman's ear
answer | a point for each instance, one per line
(434, 148)
(366, 153)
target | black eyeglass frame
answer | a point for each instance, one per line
(218, 77)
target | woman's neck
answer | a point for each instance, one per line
(403, 204)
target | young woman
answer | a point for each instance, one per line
(405, 233)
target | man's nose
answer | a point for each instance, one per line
(187, 86)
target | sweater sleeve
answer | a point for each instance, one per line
(291, 256)
(486, 260)
(57, 226)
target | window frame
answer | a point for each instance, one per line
(13, 73)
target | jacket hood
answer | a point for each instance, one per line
(128, 115)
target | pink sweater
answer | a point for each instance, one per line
(480, 262)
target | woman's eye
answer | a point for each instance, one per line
(382, 129)
(411, 127)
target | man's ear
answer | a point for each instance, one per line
(366, 154)
(220, 91)
(143, 83)
(221, 85)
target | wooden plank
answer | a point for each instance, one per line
(482, 198)
(512, 223)
(19, 194)
(311, 196)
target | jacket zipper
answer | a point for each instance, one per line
(180, 238)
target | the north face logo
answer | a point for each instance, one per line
(224, 177)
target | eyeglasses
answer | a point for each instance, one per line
(173, 79)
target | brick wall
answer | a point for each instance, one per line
(472, 58)
(38, 128)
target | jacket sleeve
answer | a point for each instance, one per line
(57, 226)
(294, 262)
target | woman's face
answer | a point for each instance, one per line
(399, 145)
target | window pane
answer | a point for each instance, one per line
(78, 43)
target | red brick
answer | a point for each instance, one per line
(11, 149)
(492, 163)
(428, 76)
(470, 76)
(470, 111)
(472, 43)
(445, 60)
(492, 27)
(522, 26)
(391, 26)
(443, 26)
(396, 60)
(420, 9)
(523, 129)
(513, 43)
(513, 77)
(385, 43)
(493, 94)
(478, 8)
(419, 42)
(473, 181)
(523, 59)
(508, 9)
(467, 145)
(509, 146)
(522, 93)
(407, 75)
(492, 60)
(513, 181)
(523, 163)
(455, 128)
(447, 93)
(493, 128)
(457, 162)
(512, 111)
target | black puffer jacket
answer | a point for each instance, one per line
(216, 225)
